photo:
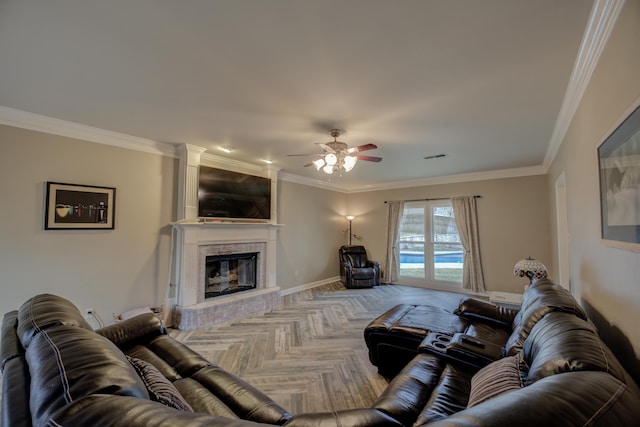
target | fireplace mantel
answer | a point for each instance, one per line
(194, 238)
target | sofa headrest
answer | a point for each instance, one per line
(562, 342)
(545, 292)
(540, 299)
(356, 261)
(68, 363)
(45, 311)
(10, 345)
(354, 249)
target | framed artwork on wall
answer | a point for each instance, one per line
(74, 207)
(619, 165)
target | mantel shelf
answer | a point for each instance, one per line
(214, 224)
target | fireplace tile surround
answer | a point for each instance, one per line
(196, 240)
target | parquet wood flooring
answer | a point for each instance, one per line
(308, 354)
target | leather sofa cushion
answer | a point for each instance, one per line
(487, 333)
(184, 360)
(202, 400)
(561, 342)
(346, 417)
(408, 392)
(449, 396)
(354, 260)
(241, 397)
(502, 376)
(417, 320)
(67, 363)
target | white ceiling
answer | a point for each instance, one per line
(481, 81)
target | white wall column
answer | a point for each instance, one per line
(188, 181)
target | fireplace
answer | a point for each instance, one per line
(196, 239)
(228, 274)
(210, 257)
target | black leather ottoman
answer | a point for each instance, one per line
(393, 338)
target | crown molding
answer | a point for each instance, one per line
(423, 182)
(215, 161)
(298, 179)
(36, 122)
(453, 179)
(601, 22)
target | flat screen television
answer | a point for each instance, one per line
(233, 195)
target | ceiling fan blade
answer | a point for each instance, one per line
(325, 147)
(364, 147)
(298, 155)
(308, 164)
(370, 158)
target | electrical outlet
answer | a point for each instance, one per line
(88, 312)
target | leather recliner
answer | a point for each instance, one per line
(356, 270)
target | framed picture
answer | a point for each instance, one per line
(619, 163)
(73, 207)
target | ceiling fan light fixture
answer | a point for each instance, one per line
(349, 162)
(337, 155)
(331, 159)
(318, 164)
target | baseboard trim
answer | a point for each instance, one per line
(289, 291)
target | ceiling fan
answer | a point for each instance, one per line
(336, 155)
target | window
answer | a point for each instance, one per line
(428, 232)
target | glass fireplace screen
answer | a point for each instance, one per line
(230, 273)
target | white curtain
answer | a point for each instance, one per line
(396, 207)
(465, 213)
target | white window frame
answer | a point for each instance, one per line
(428, 280)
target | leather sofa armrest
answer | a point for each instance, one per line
(16, 379)
(486, 312)
(373, 264)
(111, 411)
(133, 329)
(349, 417)
(579, 399)
(242, 398)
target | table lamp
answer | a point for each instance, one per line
(531, 268)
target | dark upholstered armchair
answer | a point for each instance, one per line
(356, 271)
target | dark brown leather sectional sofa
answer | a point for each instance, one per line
(556, 371)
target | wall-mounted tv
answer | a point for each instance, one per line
(233, 195)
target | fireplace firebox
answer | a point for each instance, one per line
(230, 273)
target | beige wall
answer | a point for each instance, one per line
(607, 279)
(512, 214)
(313, 223)
(117, 270)
(114, 271)
(109, 270)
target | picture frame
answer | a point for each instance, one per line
(619, 175)
(79, 207)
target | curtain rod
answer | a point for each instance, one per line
(475, 196)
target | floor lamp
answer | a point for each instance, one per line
(350, 218)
